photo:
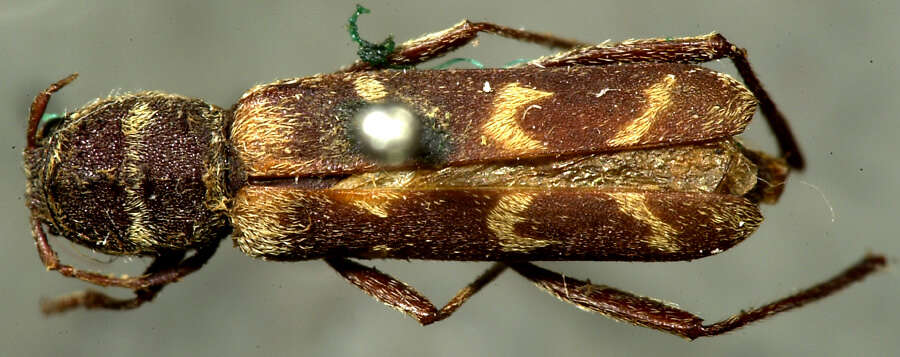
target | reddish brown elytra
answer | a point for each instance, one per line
(603, 152)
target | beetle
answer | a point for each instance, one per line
(617, 151)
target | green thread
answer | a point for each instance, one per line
(48, 123)
(516, 62)
(373, 54)
(48, 117)
(451, 62)
(479, 65)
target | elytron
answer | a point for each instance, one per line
(614, 151)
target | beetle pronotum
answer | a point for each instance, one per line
(602, 152)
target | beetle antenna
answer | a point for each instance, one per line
(38, 106)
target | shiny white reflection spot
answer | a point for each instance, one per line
(388, 132)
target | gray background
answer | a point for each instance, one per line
(832, 68)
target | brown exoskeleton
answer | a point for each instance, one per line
(603, 152)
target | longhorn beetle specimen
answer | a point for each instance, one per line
(602, 152)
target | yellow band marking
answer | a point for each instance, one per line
(369, 88)
(662, 236)
(376, 203)
(140, 231)
(659, 97)
(738, 107)
(258, 135)
(509, 107)
(266, 218)
(503, 218)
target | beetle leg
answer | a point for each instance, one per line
(648, 312)
(440, 43)
(400, 296)
(686, 50)
(91, 299)
(159, 273)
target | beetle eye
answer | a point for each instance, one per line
(388, 133)
(48, 124)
